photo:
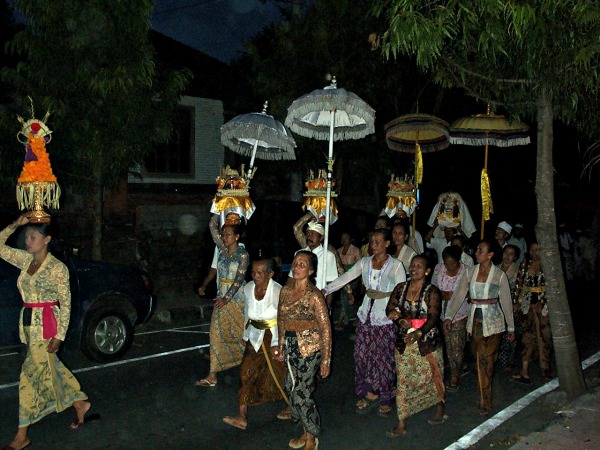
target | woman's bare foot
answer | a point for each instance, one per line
(299, 442)
(398, 431)
(238, 422)
(81, 408)
(18, 444)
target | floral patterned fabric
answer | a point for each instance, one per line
(50, 283)
(45, 385)
(420, 380)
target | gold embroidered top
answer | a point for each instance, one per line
(308, 311)
(49, 284)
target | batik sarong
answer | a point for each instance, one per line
(300, 383)
(455, 341)
(227, 336)
(374, 361)
(45, 385)
(420, 380)
(258, 386)
(537, 336)
(485, 350)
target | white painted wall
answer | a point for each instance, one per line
(209, 152)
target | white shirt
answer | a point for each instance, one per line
(332, 274)
(384, 280)
(265, 309)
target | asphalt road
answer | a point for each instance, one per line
(148, 401)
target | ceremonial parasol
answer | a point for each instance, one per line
(414, 133)
(488, 129)
(258, 135)
(332, 114)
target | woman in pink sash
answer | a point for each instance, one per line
(415, 307)
(45, 385)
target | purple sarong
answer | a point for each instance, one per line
(374, 361)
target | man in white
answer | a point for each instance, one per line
(518, 240)
(330, 266)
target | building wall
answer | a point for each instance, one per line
(208, 155)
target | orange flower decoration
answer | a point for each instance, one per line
(39, 170)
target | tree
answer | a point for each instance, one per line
(535, 57)
(293, 58)
(93, 68)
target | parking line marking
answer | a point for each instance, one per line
(477, 433)
(172, 329)
(125, 361)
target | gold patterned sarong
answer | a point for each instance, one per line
(420, 380)
(45, 385)
(227, 336)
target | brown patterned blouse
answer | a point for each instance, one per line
(309, 318)
(428, 306)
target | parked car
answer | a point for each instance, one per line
(107, 302)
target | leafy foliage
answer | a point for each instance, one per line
(505, 51)
(92, 67)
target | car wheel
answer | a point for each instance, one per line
(106, 335)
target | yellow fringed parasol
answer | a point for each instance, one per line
(488, 129)
(418, 134)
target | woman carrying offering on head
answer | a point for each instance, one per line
(415, 307)
(227, 321)
(304, 345)
(45, 385)
(375, 376)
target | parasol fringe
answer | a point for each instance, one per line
(496, 142)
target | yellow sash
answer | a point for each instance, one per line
(262, 324)
(535, 289)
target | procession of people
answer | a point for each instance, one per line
(418, 325)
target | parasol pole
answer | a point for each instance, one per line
(328, 196)
(252, 158)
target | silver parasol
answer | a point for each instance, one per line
(258, 135)
(332, 114)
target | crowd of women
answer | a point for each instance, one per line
(414, 320)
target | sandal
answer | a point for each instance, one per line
(437, 420)
(205, 383)
(451, 387)
(384, 411)
(521, 379)
(297, 443)
(484, 412)
(393, 433)
(234, 422)
(286, 414)
(365, 405)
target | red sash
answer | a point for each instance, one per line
(48, 318)
(417, 323)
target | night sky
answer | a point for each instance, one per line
(218, 28)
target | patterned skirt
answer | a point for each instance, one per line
(300, 383)
(227, 336)
(45, 385)
(374, 361)
(420, 380)
(258, 386)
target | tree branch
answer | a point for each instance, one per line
(483, 77)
